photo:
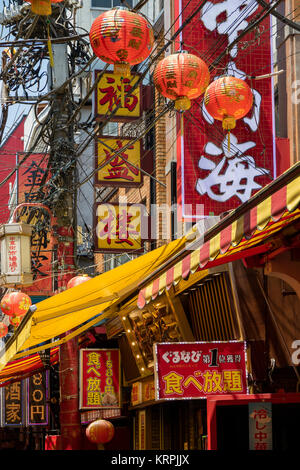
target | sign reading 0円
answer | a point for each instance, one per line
(99, 378)
(213, 178)
(113, 93)
(198, 370)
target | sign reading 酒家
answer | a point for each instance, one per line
(99, 378)
(213, 177)
(13, 405)
(198, 370)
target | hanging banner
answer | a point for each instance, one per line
(260, 426)
(13, 405)
(31, 178)
(113, 91)
(99, 378)
(118, 227)
(37, 396)
(198, 370)
(212, 177)
(124, 170)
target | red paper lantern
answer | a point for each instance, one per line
(75, 281)
(100, 431)
(3, 329)
(181, 77)
(15, 304)
(121, 37)
(228, 99)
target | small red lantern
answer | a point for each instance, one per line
(228, 99)
(15, 304)
(181, 77)
(100, 431)
(121, 37)
(75, 281)
(3, 329)
(42, 7)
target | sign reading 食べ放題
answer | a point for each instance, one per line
(214, 177)
(199, 370)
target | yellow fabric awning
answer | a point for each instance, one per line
(83, 306)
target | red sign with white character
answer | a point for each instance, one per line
(99, 378)
(216, 176)
(198, 370)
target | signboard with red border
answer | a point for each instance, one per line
(213, 178)
(200, 369)
(99, 378)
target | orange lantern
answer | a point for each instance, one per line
(15, 321)
(15, 304)
(228, 99)
(100, 431)
(42, 7)
(181, 77)
(75, 281)
(121, 37)
(3, 329)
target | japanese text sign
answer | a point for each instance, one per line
(13, 255)
(121, 170)
(198, 370)
(37, 390)
(32, 176)
(214, 177)
(99, 378)
(113, 91)
(260, 426)
(13, 404)
(118, 227)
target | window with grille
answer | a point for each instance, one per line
(110, 3)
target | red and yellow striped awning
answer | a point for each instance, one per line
(246, 231)
(25, 367)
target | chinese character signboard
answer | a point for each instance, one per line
(113, 91)
(31, 178)
(99, 378)
(260, 426)
(198, 370)
(13, 404)
(214, 177)
(118, 227)
(121, 170)
(37, 407)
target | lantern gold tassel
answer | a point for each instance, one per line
(228, 123)
(50, 46)
(41, 7)
(122, 93)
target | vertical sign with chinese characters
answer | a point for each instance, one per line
(198, 370)
(99, 378)
(118, 227)
(31, 178)
(122, 170)
(113, 92)
(260, 426)
(13, 405)
(13, 255)
(37, 395)
(213, 177)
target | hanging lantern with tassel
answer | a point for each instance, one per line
(100, 432)
(228, 99)
(181, 77)
(121, 37)
(42, 7)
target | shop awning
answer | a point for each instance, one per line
(75, 310)
(23, 368)
(243, 233)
